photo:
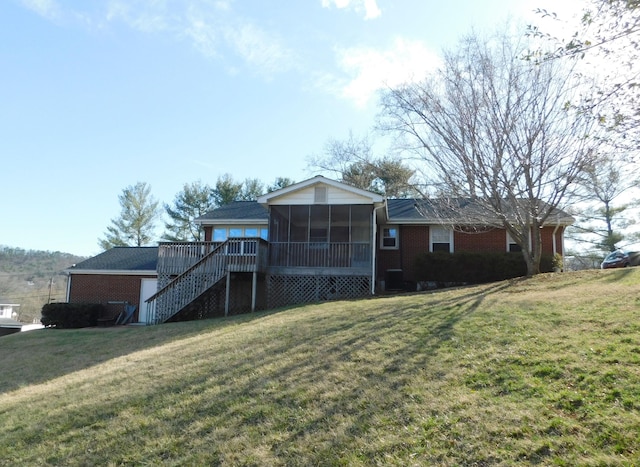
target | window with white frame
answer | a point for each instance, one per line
(512, 246)
(389, 237)
(220, 234)
(440, 239)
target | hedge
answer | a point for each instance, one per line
(473, 268)
(71, 315)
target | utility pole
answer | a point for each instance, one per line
(50, 284)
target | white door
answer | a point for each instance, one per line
(147, 288)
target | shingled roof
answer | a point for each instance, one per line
(452, 210)
(124, 258)
(236, 211)
(401, 211)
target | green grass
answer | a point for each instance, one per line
(539, 371)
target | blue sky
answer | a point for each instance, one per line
(96, 96)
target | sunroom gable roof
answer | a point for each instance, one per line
(269, 198)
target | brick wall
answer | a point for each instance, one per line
(414, 240)
(494, 240)
(98, 288)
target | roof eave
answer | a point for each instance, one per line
(113, 272)
(231, 221)
(266, 199)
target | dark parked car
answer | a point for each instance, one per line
(616, 259)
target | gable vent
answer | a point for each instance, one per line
(320, 194)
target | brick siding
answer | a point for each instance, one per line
(414, 240)
(94, 288)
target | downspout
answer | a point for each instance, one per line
(68, 286)
(555, 230)
(374, 245)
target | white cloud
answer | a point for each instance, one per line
(370, 7)
(141, 16)
(210, 26)
(371, 70)
(46, 8)
(202, 34)
(259, 48)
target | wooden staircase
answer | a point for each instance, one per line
(234, 255)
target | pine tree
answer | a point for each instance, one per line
(136, 224)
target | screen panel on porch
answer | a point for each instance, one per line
(320, 236)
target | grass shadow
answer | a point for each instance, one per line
(38, 356)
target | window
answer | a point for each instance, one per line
(389, 237)
(512, 246)
(441, 239)
(219, 234)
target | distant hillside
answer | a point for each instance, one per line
(32, 278)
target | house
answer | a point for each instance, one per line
(116, 278)
(8, 308)
(315, 240)
(8, 325)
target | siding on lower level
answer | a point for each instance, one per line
(99, 288)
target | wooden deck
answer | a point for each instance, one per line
(187, 270)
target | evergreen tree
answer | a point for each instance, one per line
(279, 183)
(136, 224)
(353, 162)
(193, 201)
(226, 190)
(604, 218)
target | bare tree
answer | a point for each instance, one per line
(495, 129)
(606, 44)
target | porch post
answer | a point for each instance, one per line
(228, 294)
(254, 289)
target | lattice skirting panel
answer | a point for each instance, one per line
(283, 290)
(211, 304)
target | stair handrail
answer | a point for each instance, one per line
(151, 301)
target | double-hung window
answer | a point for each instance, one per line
(512, 246)
(389, 238)
(440, 239)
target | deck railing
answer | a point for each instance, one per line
(176, 257)
(320, 254)
(236, 254)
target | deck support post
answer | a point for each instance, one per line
(254, 290)
(227, 298)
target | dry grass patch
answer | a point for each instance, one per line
(544, 370)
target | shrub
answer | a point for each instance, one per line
(71, 315)
(473, 267)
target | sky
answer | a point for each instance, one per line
(97, 96)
